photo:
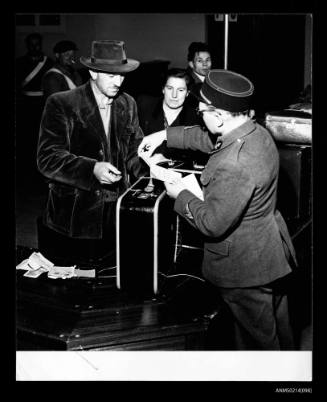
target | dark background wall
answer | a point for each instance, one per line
(147, 36)
(273, 50)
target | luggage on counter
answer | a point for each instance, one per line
(153, 242)
(290, 126)
(145, 236)
(294, 191)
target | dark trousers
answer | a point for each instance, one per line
(260, 317)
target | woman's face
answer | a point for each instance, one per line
(175, 92)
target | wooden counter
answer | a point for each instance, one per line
(92, 314)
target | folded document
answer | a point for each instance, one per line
(37, 264)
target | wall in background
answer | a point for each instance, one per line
(163, 36)
(147, 36)
(308, 50)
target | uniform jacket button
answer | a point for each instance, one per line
(101, 152)
(98, 192)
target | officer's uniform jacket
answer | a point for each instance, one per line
(247, 241)
(71, 140)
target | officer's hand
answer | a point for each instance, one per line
(150, 143)
(174, 187)
(106, 173)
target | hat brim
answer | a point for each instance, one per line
(110, 68)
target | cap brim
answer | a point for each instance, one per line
(104, 67)
(199, 97)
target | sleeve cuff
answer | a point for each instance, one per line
(182, 203)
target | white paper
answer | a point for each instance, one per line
(23, 265)
(61, 272)
(85, 273)
(163, 174)
(192, 185)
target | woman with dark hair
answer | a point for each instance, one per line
(157, 113)
(169, 110)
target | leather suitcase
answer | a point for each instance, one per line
(290, 126)
(294, 183)
(145, 237)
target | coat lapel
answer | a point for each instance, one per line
(91, 113)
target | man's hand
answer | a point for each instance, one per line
(150, 143)
(174, 187)
(106, 173)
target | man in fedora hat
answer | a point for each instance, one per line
(248, 251)
(87, 151)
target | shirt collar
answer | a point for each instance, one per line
(102, 100)
(201, 77)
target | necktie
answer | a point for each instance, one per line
(105, 109)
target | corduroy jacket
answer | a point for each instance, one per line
(71, 140)
(247, 240)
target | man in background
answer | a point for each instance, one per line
(30, 69)
(199, 62)
(63, 75)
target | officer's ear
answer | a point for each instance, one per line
(57, 55)
(191, 64)
(93, 74)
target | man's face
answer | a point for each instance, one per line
(201, 63)
(34, 47)
(213, 118)
(175, 92)
(66, 59)
(107, 83)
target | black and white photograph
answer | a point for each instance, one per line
(163, 197)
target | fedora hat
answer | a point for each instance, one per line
(109, 56)
(227, 90)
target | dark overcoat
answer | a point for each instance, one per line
(71, 140)
(247, 241)
(151, 115)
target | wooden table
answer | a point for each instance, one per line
(92, 314)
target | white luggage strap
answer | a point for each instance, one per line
(70, 83)
(33, 73)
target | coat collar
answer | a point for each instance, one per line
(158, 113)
(91, 111)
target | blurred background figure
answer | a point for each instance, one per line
(199, 62)
(30, 69)
(63, 75)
